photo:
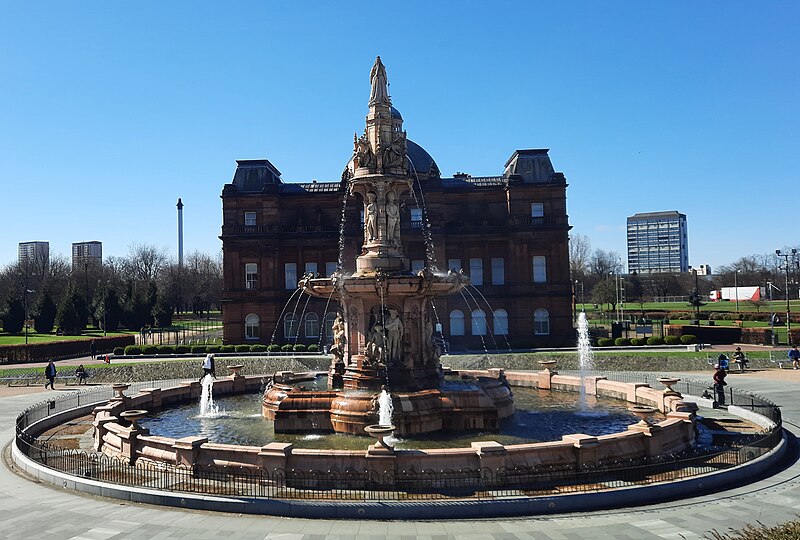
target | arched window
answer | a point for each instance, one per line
(251, 326)
(541, 322)
(312, 325)
(478, 323)
(329, 318)
(290, 326)
(456, 323)
(500, 322)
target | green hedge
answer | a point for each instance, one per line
(227, 348)
(182, 349)
(242, 348)
(274, 348)
(605, 342)
(150, 349)
(655, 340)
(133, 350)
(213, 348)
(622, 342)
(119, 351)
(287, 348)
(672, 340)
(258, 348)
(299, 348)
(313, 348)
(57, 350)
(197, 349)
(688, 339)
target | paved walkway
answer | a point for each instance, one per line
(30, 510)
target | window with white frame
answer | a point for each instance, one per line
(251, 326)
(312, 325)
(330, 268)
(500, 322)
(417, 265)
(454, 265)
(540, 269)
(249, 219)
(290, 275)
(537, 209)
(498, 271)
(251, 276)
(476, 271)
(478, 323)
(456, 323)
(290, 326)
(416, 217)
(311, 268)
(541, 322)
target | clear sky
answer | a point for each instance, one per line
(110, 111)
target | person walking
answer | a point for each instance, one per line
(794, 356)
(208, 367)
(740, 358)
(719, 385)
(93, 349)
(50, 373)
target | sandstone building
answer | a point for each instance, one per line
(508, 233)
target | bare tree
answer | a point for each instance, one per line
(604, 263)
(580, 250)
(144, 262)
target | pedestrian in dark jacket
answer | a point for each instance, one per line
(50, 373)
(719, 384)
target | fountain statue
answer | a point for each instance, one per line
(383, 334)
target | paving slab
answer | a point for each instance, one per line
(71, 515)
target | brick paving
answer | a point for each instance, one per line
(31, 510)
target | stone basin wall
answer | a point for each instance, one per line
(676, 432)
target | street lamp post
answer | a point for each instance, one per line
(25, 309)
(736, 289)
(788, 308)
(770, 286)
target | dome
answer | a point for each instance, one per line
(396, 114)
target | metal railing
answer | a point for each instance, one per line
(334, 484)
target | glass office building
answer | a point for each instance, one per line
(657, 242)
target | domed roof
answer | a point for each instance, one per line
(396, 114)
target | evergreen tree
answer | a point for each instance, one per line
(68, 317)
(44, 313)
(14, 316)
(162, 313)
(107, 310)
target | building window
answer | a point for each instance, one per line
(312, 325)
(416, 218)
(290, 274)
(478, 323)
(454, 265)
(537, 209)
(329, 318)
(476, 271)
(540, 269)
(249, 219)
(456, 323)
(541, 322)
(311, 268)
(290, 326)
(251, 276)
(498, 271)
(251, 326)
(500, 322)
(330, 268)
(417, 265)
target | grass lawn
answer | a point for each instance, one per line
(778, 306)
(19, 339)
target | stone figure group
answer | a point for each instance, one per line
(372, 214)
(364, 156)
(385, 337)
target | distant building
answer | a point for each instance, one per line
(86, 254)
(34, 253)
(703, 270)
(657, 242)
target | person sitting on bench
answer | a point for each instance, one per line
(81, 374)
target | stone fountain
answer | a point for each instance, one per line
(384, 334)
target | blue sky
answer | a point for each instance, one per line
(110, 111)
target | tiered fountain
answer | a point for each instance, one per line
(384, 332)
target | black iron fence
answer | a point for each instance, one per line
(394, 485)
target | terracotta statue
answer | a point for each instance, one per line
(339, 338)
(377, 79)
(376, 344)
(370, 218)
(364, 156)
(392, 219)
(394, 336)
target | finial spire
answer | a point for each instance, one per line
(379, 92)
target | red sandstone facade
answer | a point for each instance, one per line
(509, 233)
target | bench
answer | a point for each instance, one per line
(27, 378)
